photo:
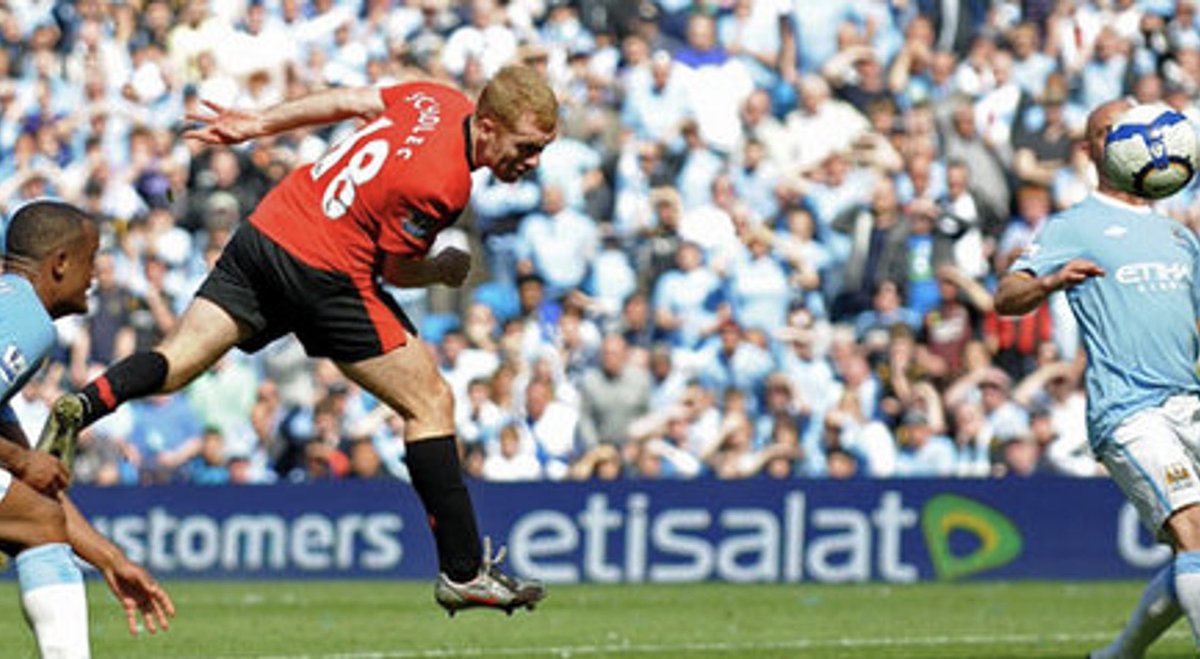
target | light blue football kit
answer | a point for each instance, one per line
(1138, 321)
(26, 337)
(1138, 324)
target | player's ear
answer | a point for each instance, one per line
(60, 263)
(486, 126)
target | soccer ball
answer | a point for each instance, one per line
(1151, 151)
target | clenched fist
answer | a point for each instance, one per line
(453, 264)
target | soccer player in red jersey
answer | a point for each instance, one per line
(310, 261)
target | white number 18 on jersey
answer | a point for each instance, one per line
(363, 166)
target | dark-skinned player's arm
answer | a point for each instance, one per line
(136, 590)
(41, 471)
(224, 125)
(1021, 291)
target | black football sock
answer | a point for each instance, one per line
(437, 478)
(138, 375)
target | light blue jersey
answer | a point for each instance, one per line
(1138, 321)
(26, 337)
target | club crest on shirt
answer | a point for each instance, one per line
(1177, 476)
(12, 364)
(420, 225)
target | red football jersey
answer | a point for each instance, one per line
(391, 186)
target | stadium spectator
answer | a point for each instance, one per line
(758, 123)
(1052, 389)
(657, 103)
(109, 333)
(949, 327)
(662, 446)
(888, 310)
(923, 453)
(989, 179)
(1043, 139)
(806, 259)
(731, 361)
(365, 462)
(962, 223)
(808, 371)
(552, 426)
(224, 397)
(461, 364)
(757, 285)
(538, 311)
(166, 434)
(973, 442)
(612, 395)
(478, 418)
(208, 466)
(558, 244)
(868, 243)
(509, 461)
(612, 279)
(821, 125)
(486, 40)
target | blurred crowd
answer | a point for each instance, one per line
(762, 245)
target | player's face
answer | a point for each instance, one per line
(80, 271)
(1098, 125)
(514, 152)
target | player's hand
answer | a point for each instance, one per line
(140, 593)
(1073, 273)
(453, 264)
(41, 471)
(222, 125)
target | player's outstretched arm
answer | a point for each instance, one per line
(1021, 292)
(223, 125)
(137, 591)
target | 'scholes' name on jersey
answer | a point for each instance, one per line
(429, 115)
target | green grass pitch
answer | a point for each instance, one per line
(378, 620)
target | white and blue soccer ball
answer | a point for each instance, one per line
(1151, 151)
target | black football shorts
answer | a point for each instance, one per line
(262, 285)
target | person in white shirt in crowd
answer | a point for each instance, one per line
(509, 462)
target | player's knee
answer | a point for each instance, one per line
(174, 375)
(1185, 527)
(441, 402)
(434, 406)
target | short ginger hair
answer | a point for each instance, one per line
(514, 91)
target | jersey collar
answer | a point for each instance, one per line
(467, 142)
(1113, 201)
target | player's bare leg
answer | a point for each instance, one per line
(52, 593)
(407, 380)
(203, 335)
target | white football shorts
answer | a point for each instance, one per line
(5, 480)
(1154, 457)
